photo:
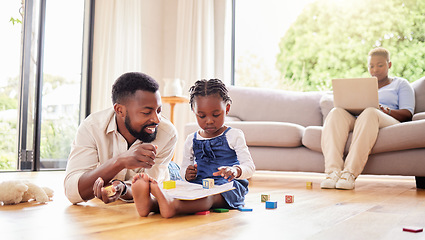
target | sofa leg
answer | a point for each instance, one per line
(420, 182)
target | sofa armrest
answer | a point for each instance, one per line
(418, 116)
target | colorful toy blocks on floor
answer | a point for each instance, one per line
(110, 190)
(265, 197)
(208, 183)
(220, 210)
(169, 184)
(271, 205)
(203, 213)
(245, 209)
(289, 198)
(309, 185)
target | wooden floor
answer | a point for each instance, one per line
(378, 208)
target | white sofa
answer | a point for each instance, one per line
(283, 131)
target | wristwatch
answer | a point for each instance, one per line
(125, 186)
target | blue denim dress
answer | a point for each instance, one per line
(210, 154)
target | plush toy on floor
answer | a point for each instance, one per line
(17, 191)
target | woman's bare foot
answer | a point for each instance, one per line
(141, 194)
(166, 207)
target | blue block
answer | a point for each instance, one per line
(271, 205)
(244, 209)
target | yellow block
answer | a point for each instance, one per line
(169, 184)
(110, 190)
(309, 185)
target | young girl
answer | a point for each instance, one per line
(215, 151)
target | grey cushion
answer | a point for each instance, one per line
(259, 104)
(402, 136)
(419, 87)
(271, 134)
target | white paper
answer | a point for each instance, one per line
(192, 191)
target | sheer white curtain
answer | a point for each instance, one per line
(117, 46)
(195, 54)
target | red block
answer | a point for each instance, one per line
(203, 213)
(289, 198)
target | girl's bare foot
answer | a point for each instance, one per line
(166, 207)
(141, 194)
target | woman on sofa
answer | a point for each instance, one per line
(397, 101)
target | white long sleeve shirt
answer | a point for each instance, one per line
(236, 141)
(98, 140)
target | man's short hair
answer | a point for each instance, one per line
(380, 51)
(128, 83)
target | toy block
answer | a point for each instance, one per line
(110, 190)
(309, 185)
(413, 229)
(271, 205)
(289, 198)
(244, 209)
(203, 213)
(220, 210)
(169, 184)
(265, 197)
(208, 183)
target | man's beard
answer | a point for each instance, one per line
(142, 135)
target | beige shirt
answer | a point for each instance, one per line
(98, 140)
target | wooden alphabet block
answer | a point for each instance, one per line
(169, 184)
(208, 183)
(309, 185)
(271, 205)
(265, 197)
(289, 198)
(110, 190)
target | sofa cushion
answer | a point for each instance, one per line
(418, 116)
(403, 136)
(269, 134)
(259, 104)
(326, 104)
(419, 87)
(272, 134)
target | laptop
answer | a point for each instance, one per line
(355, 94)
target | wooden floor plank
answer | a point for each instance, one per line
(378, 208)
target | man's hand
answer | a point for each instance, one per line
(191, 172)
(100, 192)
(142, 156)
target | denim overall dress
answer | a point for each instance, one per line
(210, 154)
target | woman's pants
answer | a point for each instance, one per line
(365, 129)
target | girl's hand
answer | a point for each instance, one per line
(229, 173)
(191, 172)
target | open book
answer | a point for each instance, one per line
(192, 191)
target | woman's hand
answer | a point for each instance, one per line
(386, 110)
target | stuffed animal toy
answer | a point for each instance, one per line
(17, 191)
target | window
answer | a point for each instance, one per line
(301, 45)
(259, 26)
(40, 83)
(10, 47)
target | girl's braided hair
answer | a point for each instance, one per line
(209, 87)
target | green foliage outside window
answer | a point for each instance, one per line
(331, 39)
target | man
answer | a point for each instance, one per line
(113, 145)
